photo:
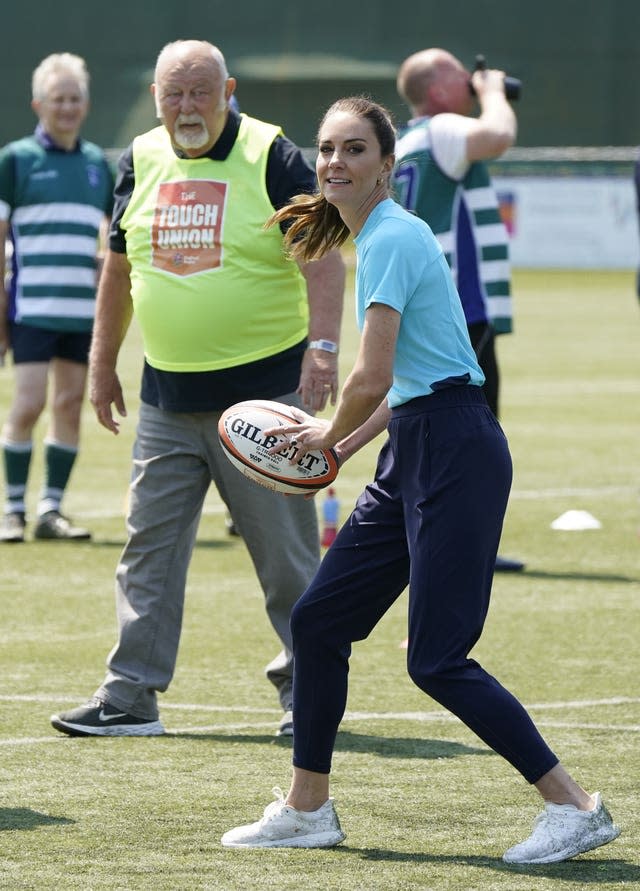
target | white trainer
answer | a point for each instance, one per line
(283, 826)
(562, 831)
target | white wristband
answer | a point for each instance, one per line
(327, 345)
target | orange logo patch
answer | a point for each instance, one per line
(187, 226)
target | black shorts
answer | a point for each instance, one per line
(30, 344)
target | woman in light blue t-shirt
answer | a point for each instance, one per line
(432, 517)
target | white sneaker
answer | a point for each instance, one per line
(283, 826)
(561, 831)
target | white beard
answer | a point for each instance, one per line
(187, 138)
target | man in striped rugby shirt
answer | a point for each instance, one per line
(55, 201)
(442, 176)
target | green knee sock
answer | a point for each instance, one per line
(17, 459)
(58, 462)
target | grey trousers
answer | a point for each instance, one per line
(176, 456)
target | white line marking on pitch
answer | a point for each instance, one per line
(420, 717)
(187, 707)
(199, 707)
(111, 512)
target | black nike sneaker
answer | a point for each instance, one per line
(98, 718)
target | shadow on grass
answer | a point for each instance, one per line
(574, 576)
(384, 746)
(404, 747)
(582, 872)
(25, 818)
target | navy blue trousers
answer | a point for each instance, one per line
(431, 520)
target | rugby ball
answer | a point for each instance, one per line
(241, 430)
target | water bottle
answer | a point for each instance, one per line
(330, 514)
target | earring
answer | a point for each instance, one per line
(379, 181)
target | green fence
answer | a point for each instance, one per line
(579, 59)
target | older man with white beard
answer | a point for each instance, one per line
(225, 316)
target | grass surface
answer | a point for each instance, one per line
(425, 805)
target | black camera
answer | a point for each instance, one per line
(512, 86)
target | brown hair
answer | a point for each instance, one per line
(316, 226)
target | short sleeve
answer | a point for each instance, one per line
(122, 195)
(448, 134)
(288, 173)
(7, 182)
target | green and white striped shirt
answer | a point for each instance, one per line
(54, 201)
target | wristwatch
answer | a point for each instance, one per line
(327, 345)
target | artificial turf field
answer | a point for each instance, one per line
(425, 805)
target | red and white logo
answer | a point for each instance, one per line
(186, 234)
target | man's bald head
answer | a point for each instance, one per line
(192, 89)
(425, 80)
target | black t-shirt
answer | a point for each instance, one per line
(288, 174)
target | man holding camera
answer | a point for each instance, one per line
(441, 176)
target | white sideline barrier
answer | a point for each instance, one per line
(575, 222)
